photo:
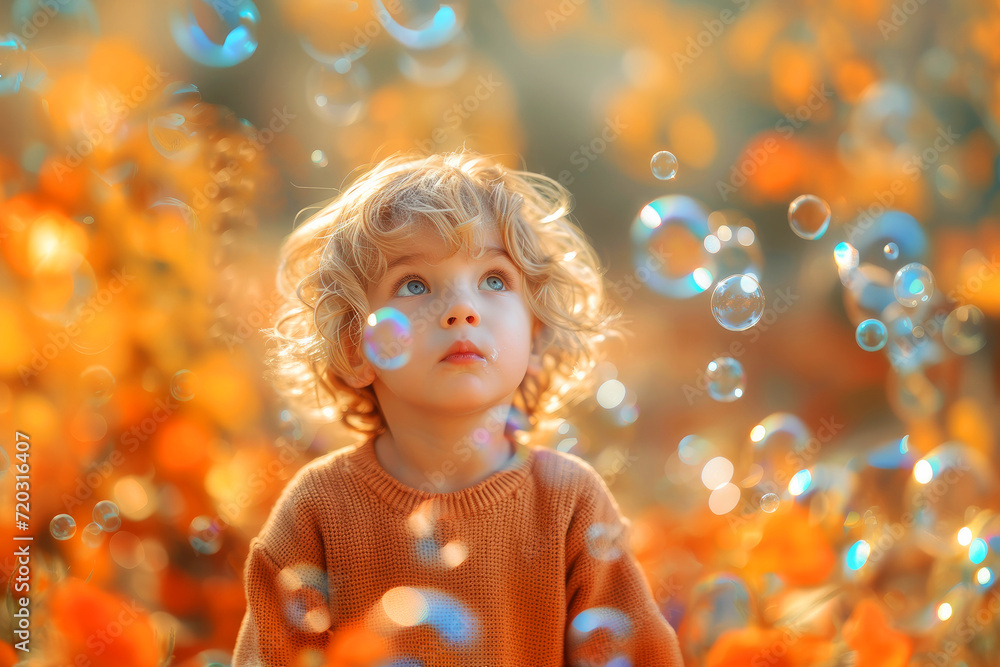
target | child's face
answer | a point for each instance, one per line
(449, 299)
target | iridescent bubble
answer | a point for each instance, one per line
(668, 247)
(217, 34)
(734, 244)
(873, 234)
(107, 516)
(318, 158)
(946, 482)
(726, 379)
(717, 603)
(418, 24)
(964, 330)
(809, 216)
(693, 449)
(98, 384)
(183, 385)
(62, 526)
(181, 93)
(891, 250)
(800, 483)
(304, 593)
(769, 502)
(388, 339)
(738, 302)
(92, 535)
(436, 67)
(204, 535)
(335, 97)
(172, 136)
(913, 285)
(663, 165)
(846, 256)
(174, 213)
(871, 335)
(780, 442)
(18, 66)
(857, 555)
(604, 541)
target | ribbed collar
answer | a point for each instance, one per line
(476, 498)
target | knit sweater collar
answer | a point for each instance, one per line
(476, 498)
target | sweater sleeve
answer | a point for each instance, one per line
(282, 612)
(611, 611)
(286, 584)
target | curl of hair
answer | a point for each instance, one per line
(327, 264)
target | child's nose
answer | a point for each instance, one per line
(458, 310)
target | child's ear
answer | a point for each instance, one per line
(363, 373)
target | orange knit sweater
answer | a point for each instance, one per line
(530, 567)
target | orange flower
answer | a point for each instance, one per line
(875, 642)
(107, 629)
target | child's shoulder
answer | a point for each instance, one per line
(567, 470)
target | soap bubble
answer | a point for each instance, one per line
(718, 603)
(769, 502)
(664, 165)
(92, 535)
(217, 34)
(436, 67)
(726, 380)
(891, 250)
(183, 385)
(964, 330)
(946, 482)
(668, 247)
(304, 593)
(738, 302)
(62, 526)
(871, 335)
(173, 136)
(809, 216)
(857, 555)
(913, 284)
(892, 229)
(388, 339)
(107, 516)
(335, 97)
(18, 66)
(98, 384)
(204, 535)
(733, 243)
(782, 443)
(420, 24)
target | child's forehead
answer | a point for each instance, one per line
(431, 246)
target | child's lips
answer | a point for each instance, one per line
(463, 358)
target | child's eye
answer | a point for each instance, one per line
(497, 280)
(410, 281)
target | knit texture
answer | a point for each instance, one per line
(530, 567)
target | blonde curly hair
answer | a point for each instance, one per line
(327, 264)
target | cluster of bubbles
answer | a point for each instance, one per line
(107, 519)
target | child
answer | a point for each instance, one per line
(443, 536)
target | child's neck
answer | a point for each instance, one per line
(438, 467)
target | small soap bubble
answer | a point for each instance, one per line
(204, 535)
(419, 24)
(172, 135)
(738, 302)
(664, 165)
(388, 339)
(183, 385)
(319, 158)
(339, 98)
(107, 516)
(92, 535)
(98, 384)
(891, 250)
(871, 335)
(846, 256)
(769, 502)
(62, 526)
(857, 555)
(964, 330)
(726, 380)
(216, 34)
(913, 285)
(809, 216)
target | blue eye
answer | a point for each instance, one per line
(410, 282)
(497, 280)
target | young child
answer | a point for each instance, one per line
(444, 536)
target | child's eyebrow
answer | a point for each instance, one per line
(491, 252)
